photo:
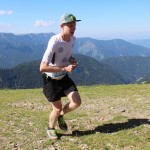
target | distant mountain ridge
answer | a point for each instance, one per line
(16, 49)
(101, 49)
(21, 48)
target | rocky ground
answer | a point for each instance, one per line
(106, 112)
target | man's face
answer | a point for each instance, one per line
(69, 28)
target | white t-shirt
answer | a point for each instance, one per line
(62, 50)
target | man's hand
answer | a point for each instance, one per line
(73, 61)
(70, 68)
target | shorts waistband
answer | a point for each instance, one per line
(48, 77)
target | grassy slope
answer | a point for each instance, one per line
(110, 118)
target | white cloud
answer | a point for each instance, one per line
(3, 12)
(42, 23)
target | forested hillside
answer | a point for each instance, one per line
(89, 72)
(130, 68)
(145, 79)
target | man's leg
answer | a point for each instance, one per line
(57, 108)
(75, 101)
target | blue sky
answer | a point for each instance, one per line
(101, 19)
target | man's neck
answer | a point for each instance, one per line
(65, 37)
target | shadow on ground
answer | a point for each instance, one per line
(111, 127)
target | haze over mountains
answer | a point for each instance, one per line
(125, 62)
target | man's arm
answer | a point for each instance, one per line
(45, 67)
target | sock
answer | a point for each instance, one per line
(51, 128)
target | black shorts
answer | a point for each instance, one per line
(55, 89)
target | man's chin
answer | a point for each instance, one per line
(72, 34)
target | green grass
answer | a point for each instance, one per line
(110, 118)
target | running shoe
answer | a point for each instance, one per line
(62, 123)
(52, 134)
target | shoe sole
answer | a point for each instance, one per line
(63, 129)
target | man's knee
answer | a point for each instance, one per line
(57, 110)
(57, 107)
(77, 103)
(76, 99)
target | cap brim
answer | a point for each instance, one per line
(69, 22)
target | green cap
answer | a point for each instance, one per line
(66, 18)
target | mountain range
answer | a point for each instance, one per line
(102, 49)
(100, 61)
(16, 49)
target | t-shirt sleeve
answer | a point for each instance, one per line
(49, 52)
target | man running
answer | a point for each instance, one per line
(55, 65)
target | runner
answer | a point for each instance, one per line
(55, 65)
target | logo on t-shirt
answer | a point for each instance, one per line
(60, 50)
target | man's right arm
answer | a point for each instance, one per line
(45, 67)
